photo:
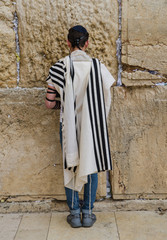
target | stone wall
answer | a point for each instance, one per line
(43, 27)
(8, 71)
(138, 118)
(144, 42)
(33, 37)
(30, 145)
(138, 130)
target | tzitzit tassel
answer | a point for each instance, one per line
(90, 193)
(73, 191)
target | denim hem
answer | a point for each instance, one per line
(73, 212)
(86, 211)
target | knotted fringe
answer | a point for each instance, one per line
(90, 189)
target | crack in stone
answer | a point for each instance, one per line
(121, 179)
(119, 44)
(131, 68)
(41, 170)
(134, 44)
(15, 22)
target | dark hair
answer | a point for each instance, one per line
(77, 36)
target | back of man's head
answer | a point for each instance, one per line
(77, 36)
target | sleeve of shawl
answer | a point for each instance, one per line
(56, 76)
(108, 81)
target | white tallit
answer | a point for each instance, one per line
(85, 137)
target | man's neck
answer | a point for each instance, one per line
(75, 49)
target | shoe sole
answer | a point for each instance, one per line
(87, 225)
(74, 225)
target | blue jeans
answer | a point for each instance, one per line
(90, 189)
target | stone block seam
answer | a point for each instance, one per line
(15, 27)
(119, 44)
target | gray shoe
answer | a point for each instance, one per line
(88, 219)
(74, 220)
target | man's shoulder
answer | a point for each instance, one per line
(59, 64)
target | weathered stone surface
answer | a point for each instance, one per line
(29, 139)
(104, 228)
(29, 145)
(30, 133)
(141, 225)
(9, 225)
(144, 22)
(101, 190)
(140, 78)
(43, 28)
(33, 226)
(138, 133)
(144, 41)
(107, 205)
(8, 72)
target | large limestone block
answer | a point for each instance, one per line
(101, 190)
(29, 139)
(31, 157)
(43, 28)
(140, 78)
(144, 22)
(138, 134)
(8, 71)
(144, 41)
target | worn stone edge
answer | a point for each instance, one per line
(101, 205)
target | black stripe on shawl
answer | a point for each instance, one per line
(48, 78)
(91, 120)
(76, 123)
(58, 70)
(108, 144)
(57, 80)
(96, 120)
(57, 77)
(57, 73)
(72, 73)
(95, 96)
(102, 124)
(65, 163)
(63, 65)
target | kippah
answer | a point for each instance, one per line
(79, 28)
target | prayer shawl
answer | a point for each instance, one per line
(90, 153)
